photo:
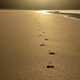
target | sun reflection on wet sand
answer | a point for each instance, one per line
(43, 11)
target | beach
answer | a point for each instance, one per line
(26, 39)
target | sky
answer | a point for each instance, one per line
(40, 4)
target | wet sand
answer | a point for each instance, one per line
(28, 37)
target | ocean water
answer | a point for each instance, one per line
(69, 13)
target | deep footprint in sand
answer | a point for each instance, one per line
(50, 66)
(52, 53)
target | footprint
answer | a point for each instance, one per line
(50, 66)
(52, 53)
(43, 32)
(42, 44)
(46, 39)
(40, 35)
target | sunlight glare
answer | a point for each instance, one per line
(43, 12)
